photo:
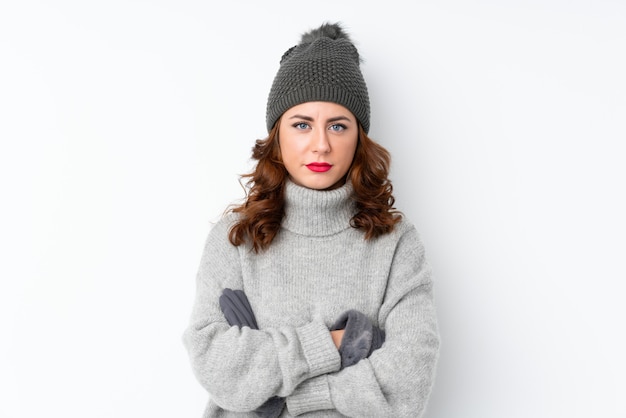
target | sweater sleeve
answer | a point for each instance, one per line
(396, 379)
(242, 368)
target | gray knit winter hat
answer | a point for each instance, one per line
(324, 66)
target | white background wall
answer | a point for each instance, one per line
(125, 124)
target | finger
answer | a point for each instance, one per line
(246, 309)
(237, 301)
(243, 299)
(231, 317)
(242, 315)
(230, 307)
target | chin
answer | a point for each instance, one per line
(320, 183)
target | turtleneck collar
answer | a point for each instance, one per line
(317, 212)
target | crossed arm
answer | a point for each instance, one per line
(353, 334)
(242, 367)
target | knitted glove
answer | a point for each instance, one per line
(360, 337)
(237, 311)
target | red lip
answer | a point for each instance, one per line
(319, 167)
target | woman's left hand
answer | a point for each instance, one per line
(337, 337)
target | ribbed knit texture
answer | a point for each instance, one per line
(324, 66)
(328, 212)
(316, 268)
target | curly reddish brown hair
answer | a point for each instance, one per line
(262, 212)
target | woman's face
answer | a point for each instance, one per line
(317, 142)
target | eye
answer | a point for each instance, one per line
(301, 125)
(338, 127)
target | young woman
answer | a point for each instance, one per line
(314, 296)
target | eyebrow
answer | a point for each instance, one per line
(310, 119)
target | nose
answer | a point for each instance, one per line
(321, 145)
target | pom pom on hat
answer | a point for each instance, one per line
(327, 30)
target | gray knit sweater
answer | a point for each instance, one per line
(316, 268)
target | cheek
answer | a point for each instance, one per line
(290, 152)
(348, 151)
